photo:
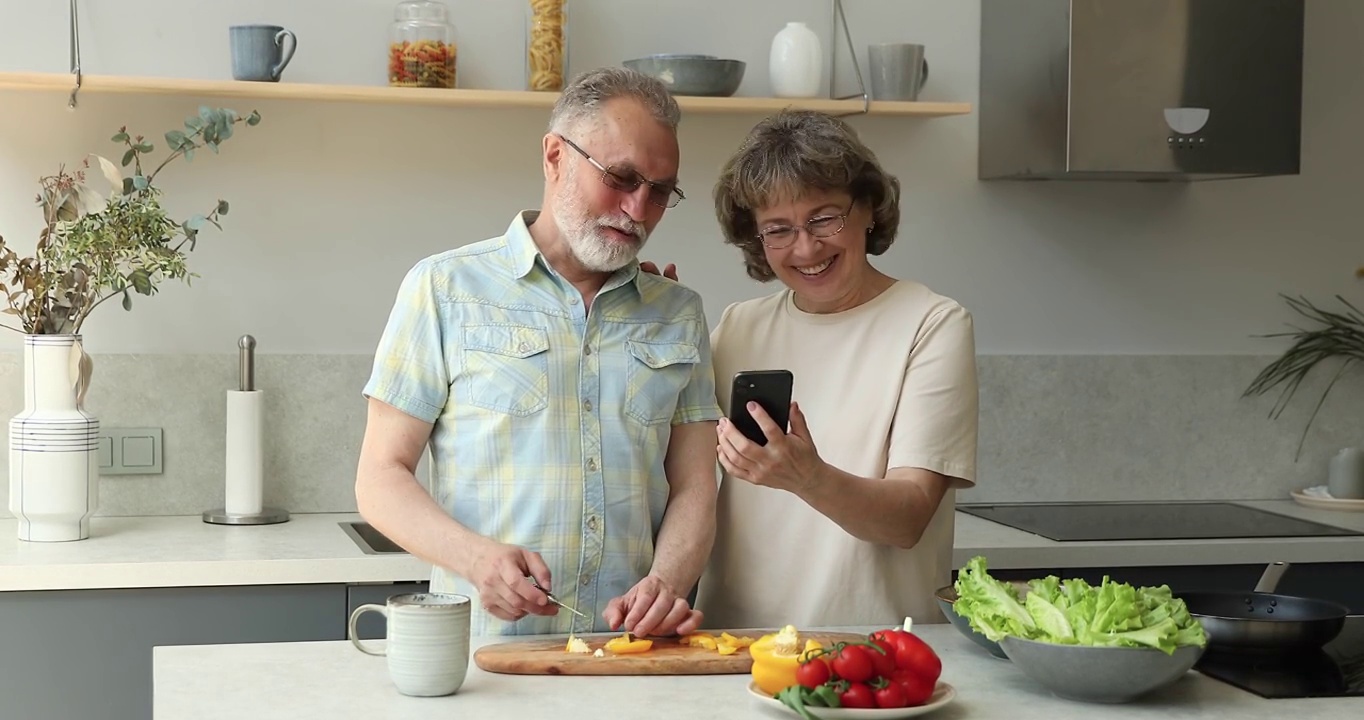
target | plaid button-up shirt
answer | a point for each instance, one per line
(551, 423)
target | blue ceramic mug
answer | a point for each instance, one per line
(259, 52)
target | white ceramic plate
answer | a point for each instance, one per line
(1327, 503)
(942, 695)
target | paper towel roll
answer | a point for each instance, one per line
(245, 451)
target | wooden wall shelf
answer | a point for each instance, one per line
(383, 95)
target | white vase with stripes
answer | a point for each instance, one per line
(54, 443)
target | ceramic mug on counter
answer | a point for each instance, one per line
(1345, 478)
(427, 641)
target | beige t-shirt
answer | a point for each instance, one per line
(890, 383)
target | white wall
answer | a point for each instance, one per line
(332, 203)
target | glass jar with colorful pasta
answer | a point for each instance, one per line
(421, 50)
(546, 45)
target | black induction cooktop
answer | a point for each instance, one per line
(1068, 522)
(1336, 670)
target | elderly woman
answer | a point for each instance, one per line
(847, 518)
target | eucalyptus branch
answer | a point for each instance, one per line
(179, 152)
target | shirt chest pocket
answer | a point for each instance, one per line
(656, 374)
(505, 368)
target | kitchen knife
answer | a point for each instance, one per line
(555, 600)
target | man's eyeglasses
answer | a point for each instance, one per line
(664, 195)
(821, 226)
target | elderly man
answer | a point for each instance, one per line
(567, 397)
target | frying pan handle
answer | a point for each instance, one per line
(1269, 581)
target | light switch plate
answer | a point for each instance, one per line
(130, 451)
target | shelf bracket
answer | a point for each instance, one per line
(75, 55)
(840, 19)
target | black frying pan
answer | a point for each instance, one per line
(1262, 620)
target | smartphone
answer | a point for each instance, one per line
(771, 389)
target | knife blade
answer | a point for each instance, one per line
(556, 600)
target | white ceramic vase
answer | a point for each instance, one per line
(54, 443)
(795, 62)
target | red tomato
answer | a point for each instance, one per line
(917, 688)
(854, 664)
(813, 674)
(858, 695)
(890, 696)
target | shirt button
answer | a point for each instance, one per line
(523, 347)
(585, 579)
(587, 404)
(573, 300)
(587, 349)
(592, 464)
(592, 523)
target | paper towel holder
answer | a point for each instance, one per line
(246, 346)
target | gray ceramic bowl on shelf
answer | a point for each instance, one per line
(703, 75)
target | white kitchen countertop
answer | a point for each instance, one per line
(286, 681)
(184, 551)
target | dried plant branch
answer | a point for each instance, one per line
(1336, 335)
(91, 249)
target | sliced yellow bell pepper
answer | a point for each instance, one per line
(738, 642)
(701, 640)
(627, 645)
(776, 657)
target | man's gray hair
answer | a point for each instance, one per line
(589, 91)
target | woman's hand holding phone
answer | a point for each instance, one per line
(789, 461)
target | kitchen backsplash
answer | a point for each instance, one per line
(1091, 427)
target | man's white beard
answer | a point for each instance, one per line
(584, 234)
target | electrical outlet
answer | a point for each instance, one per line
(130, 451)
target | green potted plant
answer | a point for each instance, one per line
(1335, 334)
(92, 247)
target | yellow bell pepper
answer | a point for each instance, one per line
(776, 657)
(626, 645)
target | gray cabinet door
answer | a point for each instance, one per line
(88, 653)
(370, 626)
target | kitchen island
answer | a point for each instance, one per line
(183, 551)
(287, 681)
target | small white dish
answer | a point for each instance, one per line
(942, 695)
(1318, 497)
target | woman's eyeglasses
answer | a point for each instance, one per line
(821, 226)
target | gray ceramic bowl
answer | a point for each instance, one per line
(704, 75)
(1099, 674)
(948, 595)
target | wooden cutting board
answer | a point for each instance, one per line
(546, 656)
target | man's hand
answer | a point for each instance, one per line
(650, 267)
(651, 608)
(499, 572)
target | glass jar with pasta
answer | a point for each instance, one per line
(421, 49)
(546, 45)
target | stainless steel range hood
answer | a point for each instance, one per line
(1175, 90)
